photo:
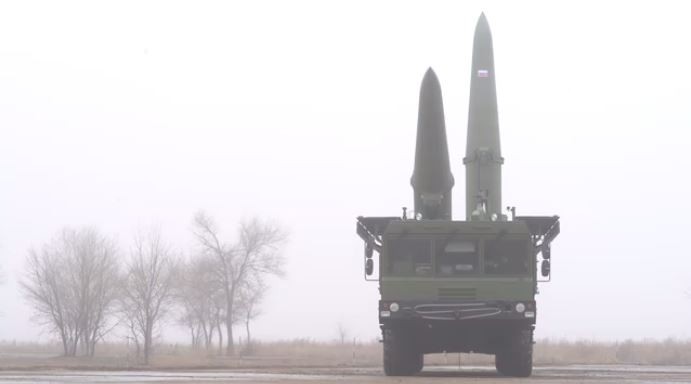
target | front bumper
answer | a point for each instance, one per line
(456, 311)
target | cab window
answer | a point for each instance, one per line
(506, 257)
(409, 257)
(456, 257)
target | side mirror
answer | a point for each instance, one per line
(545, 268)
(369, 250)
(546, 252)
(369, 267)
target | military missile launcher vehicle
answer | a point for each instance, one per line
(458, 285)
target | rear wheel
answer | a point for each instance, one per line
(516, 359)
(401, 357)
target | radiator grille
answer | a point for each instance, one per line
(456, 293)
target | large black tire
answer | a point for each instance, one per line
(516, 359)
(401, 357)
(418, 363)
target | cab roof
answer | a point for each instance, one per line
(458, 227)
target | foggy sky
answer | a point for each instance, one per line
(121, 115)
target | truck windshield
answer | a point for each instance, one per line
(506, 257)
(456, 257)
(407, 257)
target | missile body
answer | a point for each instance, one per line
(432, 180)
(483, 159)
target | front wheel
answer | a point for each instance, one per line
(401, 357)
(418, 363)
(516, 358)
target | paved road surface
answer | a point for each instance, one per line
(437, 375)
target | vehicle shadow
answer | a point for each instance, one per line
(464, 373)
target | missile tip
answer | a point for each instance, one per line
(482, 19)
(430, 83)
(430, 75)
(482, 24)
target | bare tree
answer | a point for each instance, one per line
(342, 333)
(100, 281)
(72, 285)
(256, 253)
(44, 290)
(201, 299)
(148, 288)
(187, 319)
(251, 295)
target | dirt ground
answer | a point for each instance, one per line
(367, 375)
(304, 361)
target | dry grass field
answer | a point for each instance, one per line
(312, 354)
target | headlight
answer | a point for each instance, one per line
(394, 307)
(520, 307)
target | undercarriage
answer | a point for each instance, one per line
(406, 342)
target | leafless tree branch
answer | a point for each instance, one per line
(148, 288)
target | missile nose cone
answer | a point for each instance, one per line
(482, 43)
(483, 125)
(482, 22)
(431, 108)
(430, 84)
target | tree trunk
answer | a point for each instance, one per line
(73, 346)
(230, 349)
(65, 348)
(194, 339)
(220, 337)
(147, 341)
(249, 341)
